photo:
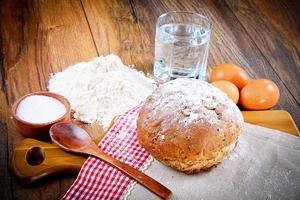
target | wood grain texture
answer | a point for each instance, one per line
(38, 38)
(274, 119)
(230, 42)
(116, 29)
(53, 160)
(269, 28)
(44, 36)
(6, 179)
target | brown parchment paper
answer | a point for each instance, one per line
(264, 165)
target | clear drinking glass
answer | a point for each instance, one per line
(181, 45)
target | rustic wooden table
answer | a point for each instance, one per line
(41, 37)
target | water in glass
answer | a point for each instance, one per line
(180, 51)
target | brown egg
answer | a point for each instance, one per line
(230, 72)
(259, 94)
(229, 88)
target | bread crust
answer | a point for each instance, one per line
(189, 125)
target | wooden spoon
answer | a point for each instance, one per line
(72, 138)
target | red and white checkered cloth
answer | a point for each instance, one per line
(97, 179)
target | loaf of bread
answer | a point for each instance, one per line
(189, 125)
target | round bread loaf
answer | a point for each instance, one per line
(189, 125)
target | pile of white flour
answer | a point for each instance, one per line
(102, 88)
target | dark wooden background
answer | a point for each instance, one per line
(40, 37)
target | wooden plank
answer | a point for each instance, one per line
(282, 17)
(229, 43)
(274, 119)
(257, 61)
(39, 37)
(274, 27)
(5, 180)
(116, 30)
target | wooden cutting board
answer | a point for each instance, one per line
(275, 119)
(34, 160)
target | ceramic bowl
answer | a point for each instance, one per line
(39, 130)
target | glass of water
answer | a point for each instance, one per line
(181, 45)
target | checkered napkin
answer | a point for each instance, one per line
(97, 179)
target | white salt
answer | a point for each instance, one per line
(40, 109)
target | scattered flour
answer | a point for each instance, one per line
(102, 88)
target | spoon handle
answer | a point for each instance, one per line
(135, 174)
